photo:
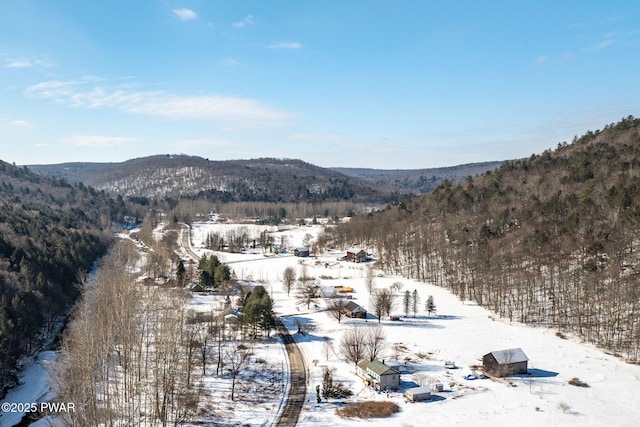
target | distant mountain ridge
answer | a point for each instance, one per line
(418, 181)
(265, 179)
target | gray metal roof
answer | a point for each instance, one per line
(512, 355)
(352, 306)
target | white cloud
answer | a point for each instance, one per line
(244, 23)
(230, 61)
(603, 44)
(285, 45)
(185, 14)
(27, 63)
(156, 103)
(612, 38)
(18, 63)
(20, 122)
(99, 141)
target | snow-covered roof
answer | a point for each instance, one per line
(415, 391)
(513, 355)
(354, 250)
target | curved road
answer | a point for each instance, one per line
(297, 372)
(297, 383)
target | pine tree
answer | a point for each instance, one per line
(406, 302)
(430, 306)
(415, 300)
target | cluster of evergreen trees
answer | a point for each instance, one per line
(213, 273)
(257, 312)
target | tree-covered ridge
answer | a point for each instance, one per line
(550, 240)
(50, 234)
(196, 178)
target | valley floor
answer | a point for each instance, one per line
(459, 331)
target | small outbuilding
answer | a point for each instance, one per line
(506, 362)
(418, 394)
(301, 251)
(351, 309)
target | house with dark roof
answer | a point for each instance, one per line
(351, 309)
(376, 374)
(302, 251)
(506, 362)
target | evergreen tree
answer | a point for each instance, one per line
(258, 311)
(415, 300)
(181, 273)
(430, 305)
(406, 302)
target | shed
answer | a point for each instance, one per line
(328, 291)
(418, 394)
(356, 255)
(351, 309)
(376, 373)
(301, 251)
(506, 362)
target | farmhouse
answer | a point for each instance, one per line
(301, 251)
(351, 309)
(356, 255)
(505, 362)
(375, 373)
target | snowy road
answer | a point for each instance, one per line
(298, 384)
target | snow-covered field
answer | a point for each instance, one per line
(459, 331)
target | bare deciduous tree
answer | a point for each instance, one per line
(369, 281)
(237, 358)
(382, 302)
(335, 308)
(288, 279)
(375, 341)
(308, 290)
(327, 347)
(352, 345)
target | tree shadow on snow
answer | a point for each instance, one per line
(421, 325)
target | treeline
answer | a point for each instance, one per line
(50, 235)
(267, 212)
(550, 240)
(129, 354)
(134, 354)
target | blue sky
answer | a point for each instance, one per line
(369, 83)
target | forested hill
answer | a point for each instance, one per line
(179, 176)
(418, 181)
(50, 234)
(548, 240)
